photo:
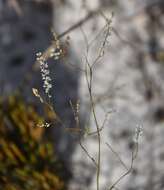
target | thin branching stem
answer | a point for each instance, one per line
(117, 155)
(133, 157)
(89, 83)
(88, 154)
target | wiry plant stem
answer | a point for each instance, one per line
(89, 83)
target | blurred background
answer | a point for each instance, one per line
(127, 83)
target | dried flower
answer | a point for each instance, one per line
(138, 133)
(36, 93)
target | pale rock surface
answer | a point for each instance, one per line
(121, 78)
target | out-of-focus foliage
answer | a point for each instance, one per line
(26, 159)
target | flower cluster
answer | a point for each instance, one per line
(45, 74)
(44, 125)
(138, 133)
(56, 53)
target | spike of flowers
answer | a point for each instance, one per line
(45, 74)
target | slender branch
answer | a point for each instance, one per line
(89, 83)
(87, 153)
(117, 155)
(103, 125)
(89, 77)
(90, 15)
(133, 157)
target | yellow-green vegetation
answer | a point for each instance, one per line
(26, 159)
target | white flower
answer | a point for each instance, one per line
(44, 125)
(45, 74)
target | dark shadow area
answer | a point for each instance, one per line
(21, 37)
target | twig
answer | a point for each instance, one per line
(89, 83)
(16, 6)
(117, 155)
(87, 153)
(134, 155)
(103, 125)
(80, 23)
(89, 77)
